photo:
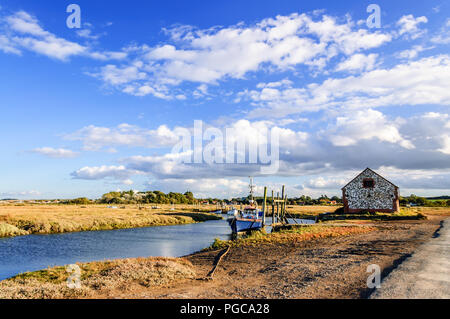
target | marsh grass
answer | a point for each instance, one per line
(403, 214)
(98, 279)
(47, 219)
(298, 211)
(296, 234)
(7, 230)
(430, 211)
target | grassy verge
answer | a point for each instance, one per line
(21, 220)
(404, 214)
(7, 230)
(308, 211)
(98, 279)
(296, 234)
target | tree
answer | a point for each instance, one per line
(80, 201)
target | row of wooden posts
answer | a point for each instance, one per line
(277, 205)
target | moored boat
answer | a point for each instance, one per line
(249, 219)
(233, 213)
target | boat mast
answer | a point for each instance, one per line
(252, 187)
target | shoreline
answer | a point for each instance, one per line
(54, 277)
(109, 229)
(322, 267)
(56, 220)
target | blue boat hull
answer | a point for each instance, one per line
(241, 224)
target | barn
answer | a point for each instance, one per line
(370, 192)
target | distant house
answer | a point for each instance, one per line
(370, 192)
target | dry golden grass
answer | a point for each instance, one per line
(45, 219)
(7, 230)
(316, 210)
(432, 211)
(98, 279)
(312, 210)
(296, 234)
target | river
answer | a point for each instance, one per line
(35, 252)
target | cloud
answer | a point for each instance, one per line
(127, 182)
(21, 194)
(417, 179)
(7, 46)
(107, 55)
(102, 172)
(55, 152)
(86, 32)
(323, 183)
(365, 125)
(367, 138)
(358, 62)
(26, 33)
(429, 131)
(96, 137)
(23, 31)
(409, 26)
(424, 81)
(202, 187)
(211, 55)
(114, 75)
(443, 37)
(413, 52)
(412, 147)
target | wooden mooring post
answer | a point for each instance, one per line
(273, 210)
(264, 207)
(282, 205)
(279, 205)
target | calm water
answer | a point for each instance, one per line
(34, 252)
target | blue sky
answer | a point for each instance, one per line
(89, 110)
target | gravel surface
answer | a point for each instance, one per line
(325, 268)
(426, 274)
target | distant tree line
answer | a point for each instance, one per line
(158, 197)
(150, 197)
(414, 200)
(132, 197)
(302, 200)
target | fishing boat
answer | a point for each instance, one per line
(250, 218)
(233, 212)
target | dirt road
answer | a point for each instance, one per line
(426, 274)
(328, 268)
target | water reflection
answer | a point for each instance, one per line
(34, 252)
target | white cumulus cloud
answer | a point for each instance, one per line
(55, 152)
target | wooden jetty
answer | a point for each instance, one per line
(277, 209)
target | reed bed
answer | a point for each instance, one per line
(313, 210)
(296, 234)
(98, 279)
(47, 219)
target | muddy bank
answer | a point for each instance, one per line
(47, 219)
(322, 268)
(331, 267)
